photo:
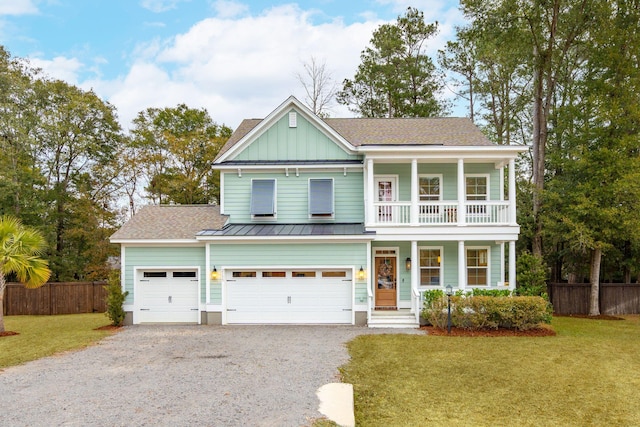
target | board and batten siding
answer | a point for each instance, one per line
(145, 256)
(292, 196)
(347, 255)
(303, 142)
(449, 177)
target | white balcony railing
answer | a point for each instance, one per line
(442, 213)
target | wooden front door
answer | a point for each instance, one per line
(386, 286)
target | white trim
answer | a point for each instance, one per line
(275, 201)
(394, 185)
(123, 268)
(431, 175)
(286, 239)
(441, 268)
(135, 307)
(477, 175)
(224, 269)
(284, 166)
(333, 200)
(222, 193)
(156, 242)
(466, 255)
(276, 115)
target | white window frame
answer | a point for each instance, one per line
(487, 267)
(477, 175)
(440, 268)
(439, 176)
(333, 199)
(275, 201)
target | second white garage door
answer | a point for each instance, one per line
(280, 296)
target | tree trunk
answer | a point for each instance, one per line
(594, 304)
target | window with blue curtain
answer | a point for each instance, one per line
(321, 197)
(263, 197)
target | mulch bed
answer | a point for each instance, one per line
(7, 333)
(108, 328)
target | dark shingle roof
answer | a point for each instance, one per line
(170, 222)
(346, 229)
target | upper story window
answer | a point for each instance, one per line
(477, 187)
(263, 198)
(430, 188)
(321, 197)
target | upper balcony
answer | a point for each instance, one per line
(442, 213)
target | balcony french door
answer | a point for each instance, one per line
(385, 192)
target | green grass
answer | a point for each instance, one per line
(41, 336)
(587, 375)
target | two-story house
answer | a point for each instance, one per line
(344, 221)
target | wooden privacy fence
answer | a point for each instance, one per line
(615, 298)
(55, 298)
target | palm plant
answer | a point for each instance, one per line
(20, 250)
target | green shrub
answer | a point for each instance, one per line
(115, 299)
(531, 275)
(477, 292)
(489, 312)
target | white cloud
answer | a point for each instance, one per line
(60, 68)
(158, 6)
(236, 68)
(229, 8)
(17, 7)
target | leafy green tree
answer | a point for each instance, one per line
(176, 147)
(396, 78)
(20, 250)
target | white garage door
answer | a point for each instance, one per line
(289, 296)
(169, 296)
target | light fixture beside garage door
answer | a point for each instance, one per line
(214, 274)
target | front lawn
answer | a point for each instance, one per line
(41, 336)
(589, 374)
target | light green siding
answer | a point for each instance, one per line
(304, 142)
(292, 196)
(330, 254)
(449, 172)
(162, 257)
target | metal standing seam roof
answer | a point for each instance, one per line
(260, 230)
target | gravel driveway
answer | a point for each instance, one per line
(181, 376)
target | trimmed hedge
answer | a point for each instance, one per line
(488, 312)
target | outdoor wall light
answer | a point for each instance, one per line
(361, 274)
(214, 274)
(407, 264)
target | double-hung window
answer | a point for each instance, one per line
(321, 198)
(430, 266)
(263, 198)
(477, 266)
(430, 191)
(477, 189)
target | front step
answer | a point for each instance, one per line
(393, 320)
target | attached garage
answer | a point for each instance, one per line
(289, 296)
(167, 296)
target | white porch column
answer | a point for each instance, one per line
(502, 266)
(461, 193)
(512, 194)
(415, 274)
(207, 276)
(462, 266)
(502, 184)
(370, 194)
(512, 264)
(414, 192)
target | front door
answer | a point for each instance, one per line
(386, 286)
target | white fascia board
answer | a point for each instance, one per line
(397, 152)
(163, 242)
(449, 234)
(286, 239)
(276, 115)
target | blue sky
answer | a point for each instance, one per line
(237, 59)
